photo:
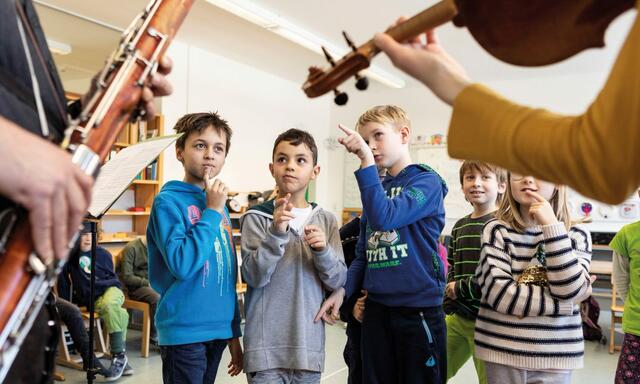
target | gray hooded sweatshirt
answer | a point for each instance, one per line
(287, 281)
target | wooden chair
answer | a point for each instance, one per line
(616, 318)
(136, 306)
(64, 357)
(146, 322)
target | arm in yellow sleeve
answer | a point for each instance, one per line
(595, 153)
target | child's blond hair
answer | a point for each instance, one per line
(509, 210)
(384, 114)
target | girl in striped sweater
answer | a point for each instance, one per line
(533, 274)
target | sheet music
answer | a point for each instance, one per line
(116, 175)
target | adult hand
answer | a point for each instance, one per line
(157, 86)
(426, 61)
(41, 177)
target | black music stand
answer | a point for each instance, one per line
(114, 179)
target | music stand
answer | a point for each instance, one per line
(114, 178)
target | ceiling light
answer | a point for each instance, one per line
(58, 47)
(282, 27)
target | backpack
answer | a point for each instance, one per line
(590, 312)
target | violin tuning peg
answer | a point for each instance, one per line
(313, 70)
(328, 56)
(314, 73)
(349, 41)
(362, 82)
(341, 98)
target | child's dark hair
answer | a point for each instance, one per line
(197, 122)
(296, 137)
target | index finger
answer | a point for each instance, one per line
(431, 36)
(41, 225)
(85, 182)
(165, 65)
(207, 178)
(279, 202)
(536, 196)
(312, 228)
(346, 130)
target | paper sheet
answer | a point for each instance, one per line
(116, 175)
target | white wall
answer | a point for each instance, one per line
(257, 105)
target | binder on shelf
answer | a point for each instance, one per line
(132, 128)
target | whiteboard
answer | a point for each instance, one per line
(436, 157)
(351, 192)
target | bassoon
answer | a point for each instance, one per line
(25, 280)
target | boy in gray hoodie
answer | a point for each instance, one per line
(291, 254)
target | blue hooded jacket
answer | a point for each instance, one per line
(193, 266)
(397, 258)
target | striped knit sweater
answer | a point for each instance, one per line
(463, 255)
(528, 326)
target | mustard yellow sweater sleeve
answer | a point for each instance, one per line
(596, 153)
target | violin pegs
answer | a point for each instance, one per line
(362, 82)
(341, 98)
(349, 41)
(328, 56)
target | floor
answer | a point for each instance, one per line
(599, 365)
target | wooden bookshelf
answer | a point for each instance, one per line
(133, 224)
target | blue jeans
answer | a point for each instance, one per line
(195, 363)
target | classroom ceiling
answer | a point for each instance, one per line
(218, 31)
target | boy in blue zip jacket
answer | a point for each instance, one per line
(403, 327)
(192, 261)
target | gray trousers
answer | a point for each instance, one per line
(149, 296)
(500, 373)
(284, 376)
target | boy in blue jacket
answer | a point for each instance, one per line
(403, 328)
(192, 261)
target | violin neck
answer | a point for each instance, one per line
(436, 15)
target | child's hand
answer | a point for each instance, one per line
(282, 215)
(540, 210)
(235, 365)
(450, 290)
(358, 309)
(315, 237)
(355, 144)
(329, 311)
(216, 193)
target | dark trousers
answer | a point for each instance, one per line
(195, 363)
(149, 296)
(351, 353)
(70, 315)
(403, 345)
